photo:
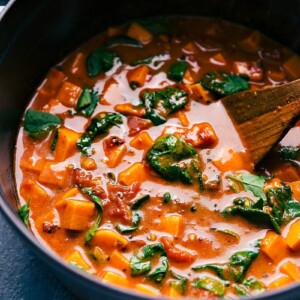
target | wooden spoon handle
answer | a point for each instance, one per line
(263, 116)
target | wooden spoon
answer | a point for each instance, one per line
(261, 117)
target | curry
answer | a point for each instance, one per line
(129, 168)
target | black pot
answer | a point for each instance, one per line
(36, 34)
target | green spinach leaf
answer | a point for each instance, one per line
(224, 83)
(210, 284)
(87, 102)
(139, 267)
(38, 124)
(140, 201)
(99, 126)
(180, 284)
(287, 153)
(250, 286)
(177, 70)
(160, 272)
(136, 218)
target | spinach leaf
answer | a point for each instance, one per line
(38, 124)
(99, 61)
(219, 269)
(139, 267)
(167, 197)
(139, 202)
(240, 262)
(287, 153)
(91, 232)
(177, 70)
(99, 126)
(166, 158)
(136, 218)
(159, 273)
(252, 183)
(122, 40)
(158, 25)
(24, 213)
(254, 215)
(172, 99)
(249, 287)
(87, 102)
(152, 250)
(180, 284)
(223, 83)
(212, 285)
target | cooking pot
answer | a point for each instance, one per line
(36, 34)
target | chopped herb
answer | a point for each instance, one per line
(24, 213)
(177, 70)
(212, 285)
(252, 183)
(99, 61)
(122, 40)
(166, 156)
(87, 102)
(250, 286)
(287, 153)
(219, 269)
(223, 83)
(136, 218)
(98, 126)
(152, 250)
(91, 232)
(139, 267)
(38, 124)
(54, 141)
(139, 202)
(95, 198)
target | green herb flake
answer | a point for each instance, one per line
(212, 285)
(160, 272)
(139, 202)
(87, 102)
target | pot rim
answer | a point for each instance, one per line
(49, 256)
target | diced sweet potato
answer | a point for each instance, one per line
(200, 94)
(88, 163)
(119, 261)
(142, 141)
(27, 163)
(280, 282)
(109, 238)
(130, 110)
(274, 246)
(32, 191)
(172, 224)
(146, 289)
(235, 161)
(115, 279)
(295, 187)
(135, 173)
(219, 59)
(76, 257)
(114, 149)
(252, 42)
(52, 83)
(60, 201)
(293, 236)
(289, 268)
(55, 174)
(291, 66)
(66, 144)
(139, 33)
(183, 119)
(68, 94)
(188, 78)
(77, 214)
(138, 75)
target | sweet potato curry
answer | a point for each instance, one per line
(129, 168)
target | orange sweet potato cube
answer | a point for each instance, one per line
(110, 239)
(135, 173)
(147, 289)
(289, 268)
(55, 174)
(119, 261)
(115, 279)
(66, 144)
(293, 236)
(280, 282)
(172, 224)
(139, 33)
(77, 214)
(138, 75)
(142, 141)
(76, 257)
(68, 94)
(274, 246)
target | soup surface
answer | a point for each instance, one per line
(129, 168)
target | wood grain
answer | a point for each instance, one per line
(262, 117)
